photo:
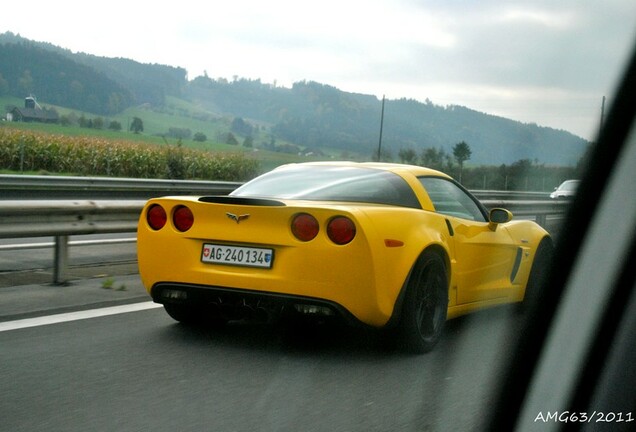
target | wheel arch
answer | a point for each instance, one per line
(435, 248)
(541, 262)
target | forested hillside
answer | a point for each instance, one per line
(316, 115)
(136, 83)
(148, 83)
(29, 70)
(311, 115)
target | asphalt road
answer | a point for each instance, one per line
(141, 371)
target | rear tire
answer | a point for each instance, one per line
(425, 305)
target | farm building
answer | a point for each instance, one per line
(32, 112)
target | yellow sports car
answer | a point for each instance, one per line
(391, 246)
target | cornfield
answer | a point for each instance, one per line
(91, 156)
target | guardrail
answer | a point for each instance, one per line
(68, 187)
(539, 209)
(34, 187)
(509, 195)
(60, 219)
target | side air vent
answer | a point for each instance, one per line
(515, 267)
(242, 201)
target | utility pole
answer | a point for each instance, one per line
(381, 126)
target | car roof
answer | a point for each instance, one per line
(397, 168)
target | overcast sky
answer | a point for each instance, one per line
(548, 62)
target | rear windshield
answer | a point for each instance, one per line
(329, 183)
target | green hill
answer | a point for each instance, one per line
(309, 117)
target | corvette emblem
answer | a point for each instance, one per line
(237, 218)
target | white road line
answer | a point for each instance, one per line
(74, 316)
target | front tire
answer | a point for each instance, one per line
(425, 305)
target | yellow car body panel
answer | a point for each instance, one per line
(482, 261)
(365, 277)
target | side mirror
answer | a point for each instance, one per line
(498, 216)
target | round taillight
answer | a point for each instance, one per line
(341, 230)
(156, 217)
(183, 218)
(305, 227)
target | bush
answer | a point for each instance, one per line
(114, 126)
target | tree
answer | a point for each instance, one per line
(461, 152)
(137, 125)
(65, 120)
(98, 123)
(241, 127)
(248, 142)
(433, 158)
(407, 155)
(114, 125)
(231, 139)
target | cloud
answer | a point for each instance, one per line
(532, 60)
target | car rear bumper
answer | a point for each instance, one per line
(233, 304)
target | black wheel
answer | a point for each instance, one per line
(193, 315)
(425, 305)
(538, 272)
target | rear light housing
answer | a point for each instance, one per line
(305, 227)
(156, 217)
(341, 230)
(182, 218)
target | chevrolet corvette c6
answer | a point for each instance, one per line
(397, 247)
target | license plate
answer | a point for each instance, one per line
(237, 255)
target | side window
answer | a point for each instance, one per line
(450, 199)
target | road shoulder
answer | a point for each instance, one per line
(27, 301)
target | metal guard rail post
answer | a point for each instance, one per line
(62, 218)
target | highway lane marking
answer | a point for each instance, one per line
(75, 316)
